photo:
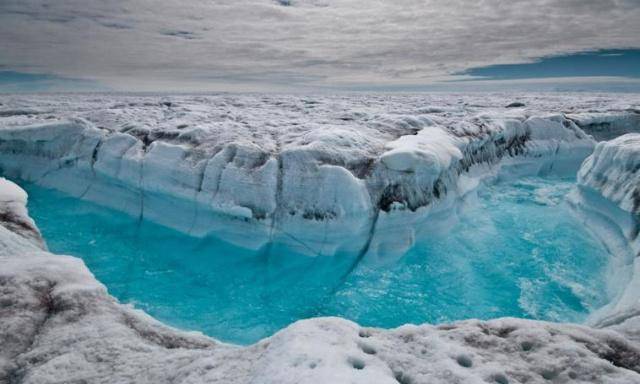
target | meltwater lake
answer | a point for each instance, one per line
(515, 250)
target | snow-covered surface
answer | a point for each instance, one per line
(13, 212)
(321, 172)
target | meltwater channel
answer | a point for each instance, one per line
(515, 250)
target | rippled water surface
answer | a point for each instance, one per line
(515, 251)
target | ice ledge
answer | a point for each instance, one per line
(59, 325)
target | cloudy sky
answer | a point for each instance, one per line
(257, 45)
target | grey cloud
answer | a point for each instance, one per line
(188, 35)
(114, 24)
(316, 42)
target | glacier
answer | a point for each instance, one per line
(514, 249)
(319, 174)
(285, 169)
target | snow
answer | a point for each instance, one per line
(431, 151)
(11, 193)
(290, 167)
(324, 173)
(13, 212)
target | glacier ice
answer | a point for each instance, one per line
(612, 170)
(609, 198)
(285, 169)
(58, 324)
(514, 249)
(318, 174)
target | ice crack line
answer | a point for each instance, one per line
(200, 174)
(92, 164)
(361, 254)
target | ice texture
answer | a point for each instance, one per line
(59, 325)
(321, 173)
(609, 198)
(613, 170)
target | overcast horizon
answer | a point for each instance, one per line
(319, 45)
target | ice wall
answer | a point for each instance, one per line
(614, 171)
(609, 197)
(607, 126)
(318, 189)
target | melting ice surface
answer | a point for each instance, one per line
(516, 250)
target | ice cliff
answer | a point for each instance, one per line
(614, 170)
(321, 175)
(609, 198)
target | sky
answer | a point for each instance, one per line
(302, 45)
